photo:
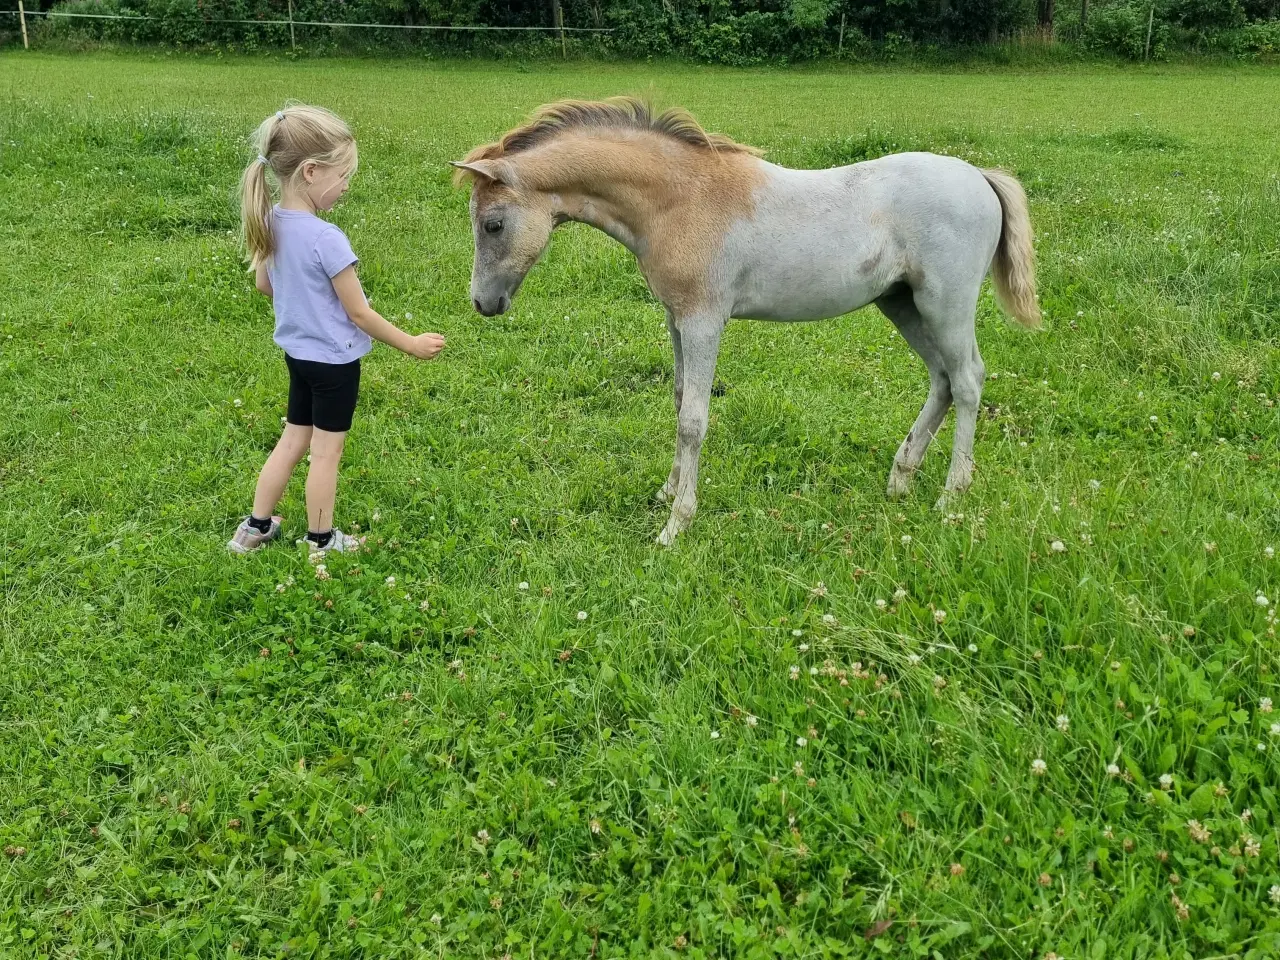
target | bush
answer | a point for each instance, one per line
(1251, 40)
(1123, 28)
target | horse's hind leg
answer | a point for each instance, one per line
(949, 324)
(899, 306)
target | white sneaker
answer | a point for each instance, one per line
(338, 543)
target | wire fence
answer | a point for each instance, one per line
(52, 15)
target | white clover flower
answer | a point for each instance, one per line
(795, 671)
(1166, 781)
(1264, 705)
(899, 595)
(279, 588)
(391, 581)
(715, 734)
(913, 659)
(1113, 770)
(1261, 600)
(1038, 767)
(582, 614)
(752, 721)
(801, 742)
(797, 633)
(880, 603)
(939, 616)
(906, 539)
(522, 585)
(803, 648)
(972, 648)
(1058, 546)
(1063, 723)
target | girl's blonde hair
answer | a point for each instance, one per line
(286, 140)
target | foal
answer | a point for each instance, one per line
(720, 232)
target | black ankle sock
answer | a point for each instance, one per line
(320, 539)
(262, 526)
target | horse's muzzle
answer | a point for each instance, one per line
(493, 307)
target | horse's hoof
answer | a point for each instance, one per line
(663, 495)
(667, 537)
(899, 482)
(946, 501)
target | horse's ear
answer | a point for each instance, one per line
(495, 171)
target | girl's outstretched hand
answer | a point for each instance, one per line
(425, 345)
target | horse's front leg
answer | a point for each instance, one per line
(668, 489)
(699, 347)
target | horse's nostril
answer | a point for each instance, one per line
(503, 304)
(476, 303)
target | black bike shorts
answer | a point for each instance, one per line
(322, 395)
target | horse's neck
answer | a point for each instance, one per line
(622, 187)
(669, 205)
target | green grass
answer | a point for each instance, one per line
(208, 756)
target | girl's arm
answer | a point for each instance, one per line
(347, 286)
(262, 280)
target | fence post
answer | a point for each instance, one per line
(564, 50)
(293, 43)
(1150, 22)
(22, 16)
(1084, 14)
(840, 45)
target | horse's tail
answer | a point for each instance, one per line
(1013, 269)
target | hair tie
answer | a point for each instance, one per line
(279, 114)
(263, 160)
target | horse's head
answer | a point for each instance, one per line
(511, 225)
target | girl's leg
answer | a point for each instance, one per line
(276, 472)
(322, 478)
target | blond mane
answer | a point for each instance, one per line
(614, 114)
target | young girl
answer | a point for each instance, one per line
(323, 321)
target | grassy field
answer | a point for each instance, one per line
(517, 727)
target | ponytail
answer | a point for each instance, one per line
(255, 199)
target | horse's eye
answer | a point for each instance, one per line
(493, 226)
